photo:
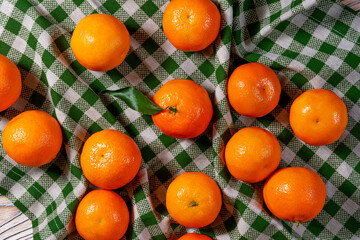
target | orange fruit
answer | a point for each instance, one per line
(318, 117)
(253, 90)
(102, 214)
(193, 199)
(252, 154)
(194, 236)
(110, 159)
(191, 25)
(10, 83)
(32, 138)
(295, 194)
(189, 109)
(100, 42)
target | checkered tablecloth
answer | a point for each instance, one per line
(310, 44)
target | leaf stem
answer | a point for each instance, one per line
(297, 223)
(173, 109)
(193, 204)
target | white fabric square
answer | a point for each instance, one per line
(28, 22)
(168, 47)
(344, 169)
(334, 62)
(130, 7)
(201, 161)
(45, 39)
(321, 33)
(6, 8)
(243, 227)
(333, 226)
(324, 152)
(223, 54)
(131, 114)
(133, 78)
(188, 66)
(355, 113)
(71, 96)
(151, 63)
(54, 190)
(17, 190)
(77, 15)
(185, 143)
(37, 208)
(287, 155)
(148, 135)
(284, 41)
(150, 27)
(350, 206)
(165, 156)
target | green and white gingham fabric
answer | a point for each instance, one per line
(310, 44)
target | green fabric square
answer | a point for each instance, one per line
(290, 54)
(266, 120)
(37, 99)
(54, 172)
(183, 159)
(43, 22)
(305, 153)
(170, 65)
(347, 188)
(4, 48)
(75, 113)
(220, 74)
(139, 194)
(51, 208)
(203, 143)
(266, 44)
(148, 219)
(89, 97)
(302, 37)
(315, 65)
(331, 207)
(61, 43)
(299, 80)
(341, 28)
(36, 190)
(151, 81)
(163, 174)
(150, 45)
(56, 225)
(25, 63)
(59, 14)
(77, 172)
(23, 5)
(131, 25)
(342, 151)
(15, 174)
(20, 206)
(55, 97)
(285, 136)
(240, 206)
(315, 227)
(226, 35)
(149, 8)
(13, 26)
(247, 190)
(133, 60)
(279, 236)
(159, 237)
(147, 154)
(67, 189)
(68, 77)
(327, 48)
(48, 58)
(132, 130)
(352, 59)
(356, 131)
(352, 224)
(230, 224)
(285, 99)
(353, 94)
(77, 67)
(32, 41)
(207, 68)
(335, 79)
(78, 2)
(166, 140)
(326, 170)
(260, 224)
(94, 128)
(318, 15)
(112, 6)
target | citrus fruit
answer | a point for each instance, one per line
(193, 199)
(252, 154)
(318, 117)
(188, 109)
(102, 214)
(100, 42)
(295, 194)
(32, 138)
(194, 236)
(191, 25)
(110, 159)
(253, 89)
(10, 83)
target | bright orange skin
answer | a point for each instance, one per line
(195, 236)
(32, 138)
(193, 109)
(191, 25)
(199, 189)
(318, 117)
(102, 214)
(100, 42)
(252, 154)
(295, 194)
(110, 159)
(253, 90)
(10, 83)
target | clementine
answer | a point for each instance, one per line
(102, 214)
(110, 159)
(295, 194)
(193, 199)
(100, 42)
(188, 109)
(252, 154)
(32, 138)
(318, 117)
(191, 25)
(253, 89)
(194, 236)
(10, 83)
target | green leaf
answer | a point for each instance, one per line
(135, 100)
